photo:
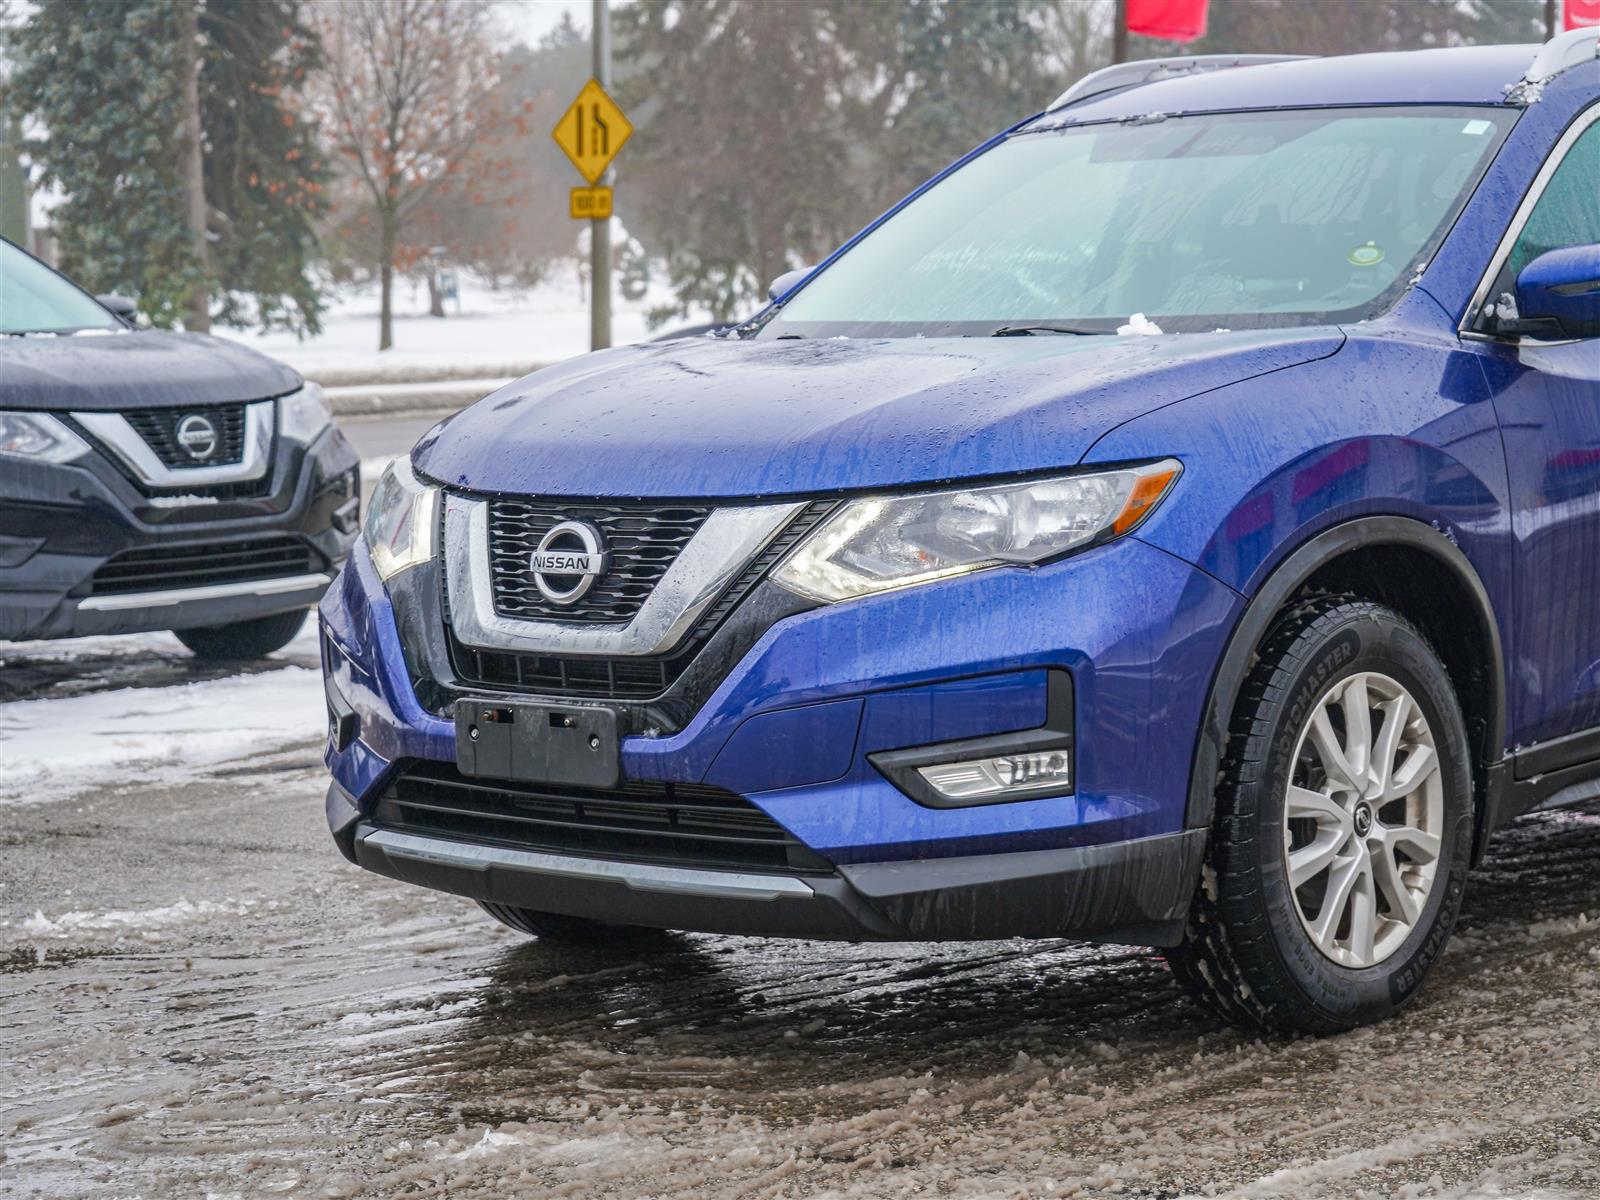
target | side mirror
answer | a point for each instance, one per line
(1558, 294)
(787, 282)
(120, 306)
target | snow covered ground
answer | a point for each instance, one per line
(488, 329)
(107, 738)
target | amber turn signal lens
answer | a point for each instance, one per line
(1146, 492)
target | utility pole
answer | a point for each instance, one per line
(1549, 19)
(1119, 32)
(600, 229)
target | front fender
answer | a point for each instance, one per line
(1392, 441)
(1394, 424)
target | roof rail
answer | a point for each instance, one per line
(1151, 70)
(1565, 50)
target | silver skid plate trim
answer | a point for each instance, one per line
(643, 877)
(172, 597)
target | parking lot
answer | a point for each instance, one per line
(200, 998)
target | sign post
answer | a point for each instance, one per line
(591, 132)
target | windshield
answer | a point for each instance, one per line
(1234, 220)
(34, 299)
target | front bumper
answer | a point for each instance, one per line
(61, 524)
(791, 727)
(1134, 891)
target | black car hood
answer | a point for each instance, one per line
(136, 369)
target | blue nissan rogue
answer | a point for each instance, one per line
(1177, 523)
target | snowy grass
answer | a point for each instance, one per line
(488, 328)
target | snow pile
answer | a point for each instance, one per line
(146, 923)
(552, 1146)
(57, 747)
(1138, 325)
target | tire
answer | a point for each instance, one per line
(243, 641)
(571, 931)
(1332, 947)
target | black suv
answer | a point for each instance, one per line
(153, 480)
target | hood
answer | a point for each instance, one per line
(137, 369)
(716, 417)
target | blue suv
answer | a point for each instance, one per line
(1177, 523)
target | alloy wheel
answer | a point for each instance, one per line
(1363, 819)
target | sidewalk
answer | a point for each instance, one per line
(401, 392)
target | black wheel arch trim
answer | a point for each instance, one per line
(1288, 577)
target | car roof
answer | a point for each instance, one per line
(1461, 75)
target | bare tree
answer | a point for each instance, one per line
(404, 100)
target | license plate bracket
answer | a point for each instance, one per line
(575, 745)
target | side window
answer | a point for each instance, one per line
(1568, 214)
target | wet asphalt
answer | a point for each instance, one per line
(200, 998)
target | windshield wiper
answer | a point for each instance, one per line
(1030, 330)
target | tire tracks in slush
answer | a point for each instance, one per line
(314, 1031)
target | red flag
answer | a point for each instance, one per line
(1174, 20)
(1581, 13)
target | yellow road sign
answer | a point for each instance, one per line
(591, 131)
(590, 204)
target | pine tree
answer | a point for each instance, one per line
(107, 83)
(265, 177)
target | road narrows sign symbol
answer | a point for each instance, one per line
(592, 130)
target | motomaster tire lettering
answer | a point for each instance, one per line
(1338, 653)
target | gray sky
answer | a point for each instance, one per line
(530, 20)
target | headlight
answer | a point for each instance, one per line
(304, 414)
(401, 520)
(38, 437)
(875, 544)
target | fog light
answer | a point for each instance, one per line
(1004, 775)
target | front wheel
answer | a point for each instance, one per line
(1343, 827)
(243, 641)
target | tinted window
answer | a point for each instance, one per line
(1568, 213)
(34, 299)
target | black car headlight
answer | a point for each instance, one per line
(38, 437)
(303, 414)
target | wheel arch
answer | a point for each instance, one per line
(1363, 557)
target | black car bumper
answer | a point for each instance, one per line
(83, 550)
(1134, 891)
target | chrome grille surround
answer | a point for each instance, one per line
(708, 562)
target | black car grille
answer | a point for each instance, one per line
(627, 677)
(643, 541)
(687, 825)
(197, 564)
(159, 428)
